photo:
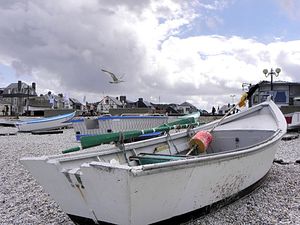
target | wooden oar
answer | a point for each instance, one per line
(91, 141)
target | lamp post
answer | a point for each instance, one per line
(27, 105)
(272, 73)
(246, 86)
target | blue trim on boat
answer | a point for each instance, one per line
(130, 117)
(143, 136)
(77, 120)
(78, 136)
(151, 134)
(119, 117)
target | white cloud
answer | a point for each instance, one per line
(63, 44)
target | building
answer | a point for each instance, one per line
(74, 104)
(224, 109)
(5, 108)
(141, 103)
(37, 105)
(187, 108)
(283, 93)
(17, 95)
(168, 109)
(108, 103)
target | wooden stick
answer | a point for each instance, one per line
(192, 149)
(233, 108)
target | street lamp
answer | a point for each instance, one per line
(272, 73)
(27, 106)
(246, 86)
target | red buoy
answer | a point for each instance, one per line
(201, 141)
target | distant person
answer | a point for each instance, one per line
(6, 110)
(213, 110)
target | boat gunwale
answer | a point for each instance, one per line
(117, 117)
(49, 119)
(190, 162)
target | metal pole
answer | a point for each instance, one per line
(27, 101)
(271, 73)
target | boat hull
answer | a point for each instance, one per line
(293, 120)
(187, 216)
(120, 196)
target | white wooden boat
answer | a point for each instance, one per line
(46, 123)
(153, 180)
(90, 126)
(293, 120)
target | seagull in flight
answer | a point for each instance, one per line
(115, 80)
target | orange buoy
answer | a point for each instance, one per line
(201, 140)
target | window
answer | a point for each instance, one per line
(280, 97)
(255, 99)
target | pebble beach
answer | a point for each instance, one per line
(24, 201)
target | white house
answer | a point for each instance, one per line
(187, 108)
(17, 96)
(107, 103)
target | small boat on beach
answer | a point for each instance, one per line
(8, 122)
(293, 120)
(46, 123)
(91, 126)
(162, 178)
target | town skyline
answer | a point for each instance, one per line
(59, 93)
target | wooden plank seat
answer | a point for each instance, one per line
(148, 158)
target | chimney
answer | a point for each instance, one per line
(19, 86)
(33, 86)
(117, 98)
(123, 98)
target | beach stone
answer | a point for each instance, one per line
(24, 201)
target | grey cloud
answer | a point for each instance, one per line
(73, 45)
(70, 45)
(21, 68)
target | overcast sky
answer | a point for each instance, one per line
(168, 51)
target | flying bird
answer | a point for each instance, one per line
(116, 79)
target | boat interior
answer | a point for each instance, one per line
(164, 149)
(238, 133)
